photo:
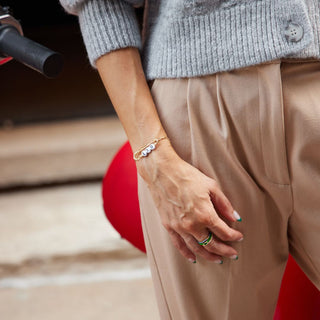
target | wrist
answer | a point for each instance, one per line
(150, 165)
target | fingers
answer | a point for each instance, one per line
(222, 230)
(189, 248)
(200, 250)
(179, 243)
(222, 203)
(215, 246)
(187, 240)
(186, 236)
(190, 214)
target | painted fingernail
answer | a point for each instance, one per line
(192, 261)
(236, 215)
(234, 257)
(218, 261)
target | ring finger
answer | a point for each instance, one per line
(199, 250)
(214, 245)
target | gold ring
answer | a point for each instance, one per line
(206, 241)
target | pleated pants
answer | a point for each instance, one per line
(256, 131)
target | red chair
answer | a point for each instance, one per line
(298, 298)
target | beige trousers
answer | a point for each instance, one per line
(256, 130)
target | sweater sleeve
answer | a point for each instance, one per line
(106, 25)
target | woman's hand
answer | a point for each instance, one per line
(190, 205)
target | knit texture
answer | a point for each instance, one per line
(187, 38)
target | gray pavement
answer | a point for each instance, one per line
(61, 259)
(106, 300)
(63, 220)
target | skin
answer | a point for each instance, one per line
(189, 202)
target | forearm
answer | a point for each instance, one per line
(123, 77)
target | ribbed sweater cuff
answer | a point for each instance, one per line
(108, 25)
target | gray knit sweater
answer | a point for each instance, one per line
(185, 38)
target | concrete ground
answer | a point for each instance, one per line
(59, 256)
(103, 300)
(61, 259)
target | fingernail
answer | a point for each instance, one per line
(192, 261)
(218, 261)
(236, 215)
(240, 240)
(234, 257)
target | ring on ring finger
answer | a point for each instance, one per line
(206, 241)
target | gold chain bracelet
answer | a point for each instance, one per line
(147, 148)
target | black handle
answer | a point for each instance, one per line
(28, 52)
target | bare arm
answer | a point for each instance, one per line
(186, 214)
(124, 80)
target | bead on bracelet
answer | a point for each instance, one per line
(147, 149)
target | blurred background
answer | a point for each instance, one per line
(59, 256)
